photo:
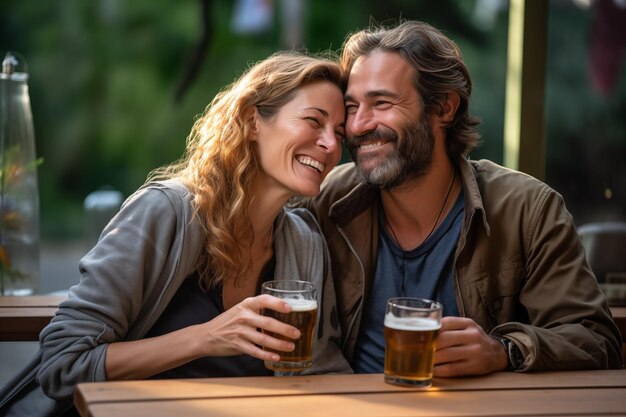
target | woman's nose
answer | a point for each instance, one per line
(328, 141)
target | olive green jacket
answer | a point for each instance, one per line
(520, 270)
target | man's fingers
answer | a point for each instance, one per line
(455, 323)
(447, 355)
(450, 369)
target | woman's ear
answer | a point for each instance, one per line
(449, 108)
(252, 119)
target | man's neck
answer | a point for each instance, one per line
(414, 209)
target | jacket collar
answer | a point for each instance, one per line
(363, 197)
(360, 198)
(473, 198)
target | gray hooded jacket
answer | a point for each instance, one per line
(127, 280)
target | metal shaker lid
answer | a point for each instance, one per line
(13, 68)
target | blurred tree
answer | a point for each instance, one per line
(103, 75)
(200, 51)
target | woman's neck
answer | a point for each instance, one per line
(266, 205)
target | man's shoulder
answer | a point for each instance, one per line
(340, 181)
(491, 176)
(507, 194)
(340, 173)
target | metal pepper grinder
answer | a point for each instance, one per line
(19, 194)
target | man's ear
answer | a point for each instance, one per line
(252, 120)
(449, 108)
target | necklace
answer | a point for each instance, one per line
(395, 238)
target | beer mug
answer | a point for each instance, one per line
(411, 329)
(301, 296)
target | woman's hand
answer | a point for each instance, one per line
(236, 331)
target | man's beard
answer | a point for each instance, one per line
(411, 158)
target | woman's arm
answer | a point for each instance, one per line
(233, 332)
(126, 281)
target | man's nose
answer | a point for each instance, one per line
(360, 122)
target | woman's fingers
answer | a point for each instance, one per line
(244, 329)
(267, 323)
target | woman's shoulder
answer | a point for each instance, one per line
(169, 194)
(173, 189)
(299, 219)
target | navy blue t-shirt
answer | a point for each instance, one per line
(193, 305)
(425, 272)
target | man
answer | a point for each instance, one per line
(415, 217)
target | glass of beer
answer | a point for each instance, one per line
(411, 329)
(301, 296)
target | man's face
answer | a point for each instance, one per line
(387, 135)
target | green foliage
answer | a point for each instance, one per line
(103, 76)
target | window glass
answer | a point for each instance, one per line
(586, 107)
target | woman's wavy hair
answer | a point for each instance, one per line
(439, 70)
(220, 164)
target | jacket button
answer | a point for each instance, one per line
(497, 305)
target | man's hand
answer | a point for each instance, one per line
(463, 348)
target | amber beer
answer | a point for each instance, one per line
(410, 336)
(303, 317)
(301, 296)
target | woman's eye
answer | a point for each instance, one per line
(313, 121)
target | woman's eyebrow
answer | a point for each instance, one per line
(324, 112)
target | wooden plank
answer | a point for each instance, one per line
(513, 402)
(23, 324)
(23, 318)
(32, 301)
(89, 394)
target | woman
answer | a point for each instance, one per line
(171, 289)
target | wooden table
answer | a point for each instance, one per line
(23, 317)
(588, 393)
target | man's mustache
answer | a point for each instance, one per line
(378, 134)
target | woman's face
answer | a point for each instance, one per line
(301, 143)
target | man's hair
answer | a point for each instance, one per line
(221, 164)
(439, 70)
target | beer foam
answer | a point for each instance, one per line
(411, 323)
(300, 304)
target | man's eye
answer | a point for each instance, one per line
(351, 108)
(382, 104)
